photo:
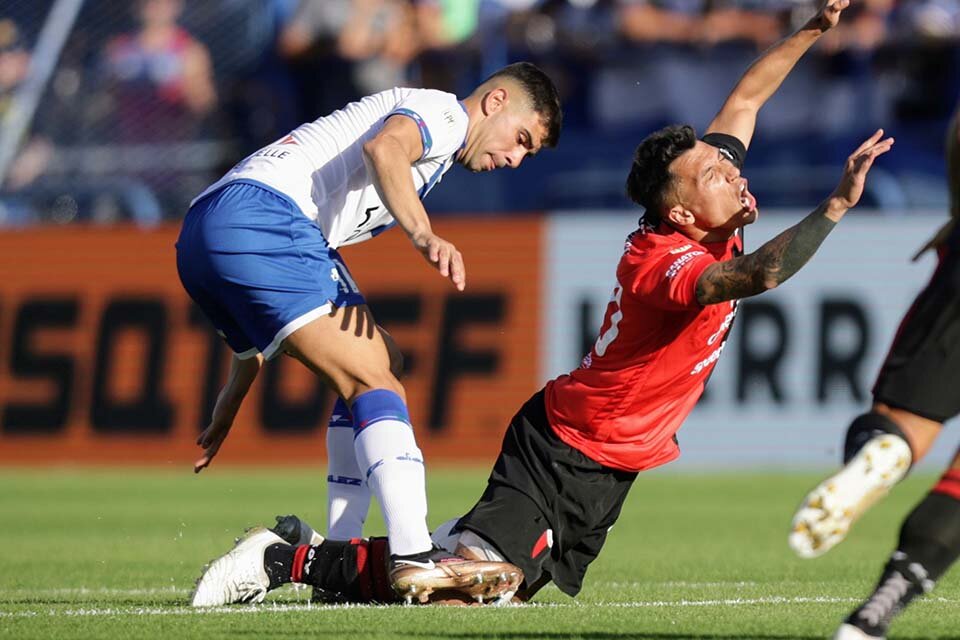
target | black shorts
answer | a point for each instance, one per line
(922, 371)
(547, 507)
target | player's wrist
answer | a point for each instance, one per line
(834, 208)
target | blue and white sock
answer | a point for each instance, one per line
(348, 496)
(392, 464)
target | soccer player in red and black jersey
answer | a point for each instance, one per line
(572, 452)
(915, 393)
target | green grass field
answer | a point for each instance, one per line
(113, 554)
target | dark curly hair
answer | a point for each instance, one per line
(650, 178)
(542, 93)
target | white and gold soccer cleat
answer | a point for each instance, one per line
(438, 576)
(827, 513)
(239, 575)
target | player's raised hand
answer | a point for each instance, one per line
(829, 14)
(444, 256)
(850, 189)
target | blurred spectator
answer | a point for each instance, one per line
(704, 22)
(446, 23)
(341, 50)
(159, 74)
(933, 19)
(863, 30)
(661, 20)
(14, 66)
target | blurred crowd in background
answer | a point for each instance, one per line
(150, 100)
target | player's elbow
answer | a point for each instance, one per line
(374, 149)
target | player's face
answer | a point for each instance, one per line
(504, 139)
(712, 189)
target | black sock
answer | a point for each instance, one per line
(278, 563)
(344, 571)
(864, 429)
(930, 535)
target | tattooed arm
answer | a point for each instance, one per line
(777, 260)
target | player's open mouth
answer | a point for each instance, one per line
(747, 199)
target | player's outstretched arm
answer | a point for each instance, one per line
(389, 156)
(738, 116)
(241, 376)
(777, 260)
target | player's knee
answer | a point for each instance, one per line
(867, 427)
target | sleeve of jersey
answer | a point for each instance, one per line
(671, 282)
(440, 118)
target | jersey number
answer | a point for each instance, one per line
(608, 336)
(359, 231)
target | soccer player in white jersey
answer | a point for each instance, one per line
(258, 253)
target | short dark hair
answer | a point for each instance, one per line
(650, 178)
(542, 93)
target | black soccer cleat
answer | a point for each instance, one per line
(901, 582)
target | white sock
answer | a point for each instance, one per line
(348, 496)
(388, 455)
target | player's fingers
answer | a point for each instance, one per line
(458, 272)
(201, 464)
(444, 263)
(879, 149)
(869, 142)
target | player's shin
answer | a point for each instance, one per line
(348, 496)
(387, 452)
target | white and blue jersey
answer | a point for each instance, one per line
(257, 250)
(320, 166)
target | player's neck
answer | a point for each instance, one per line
(471, 104)
(702, 236)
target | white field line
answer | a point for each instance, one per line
(175, 591)
(88, 591)
(285, 608)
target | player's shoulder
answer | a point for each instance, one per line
(434, 96)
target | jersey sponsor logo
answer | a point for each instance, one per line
(727, 321)
(709, 360)
(680, 262)
(685, 247)
(268, 152)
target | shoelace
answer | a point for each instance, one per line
(881, 605)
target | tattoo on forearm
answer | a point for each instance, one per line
(768, 266)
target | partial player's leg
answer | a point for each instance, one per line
(882, 459)
(929, 544)
(348, 496)
(544, 504)
(914, 394)
(340, 571)
(346, 349)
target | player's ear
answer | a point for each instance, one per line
(678, 216)
(493, 101)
